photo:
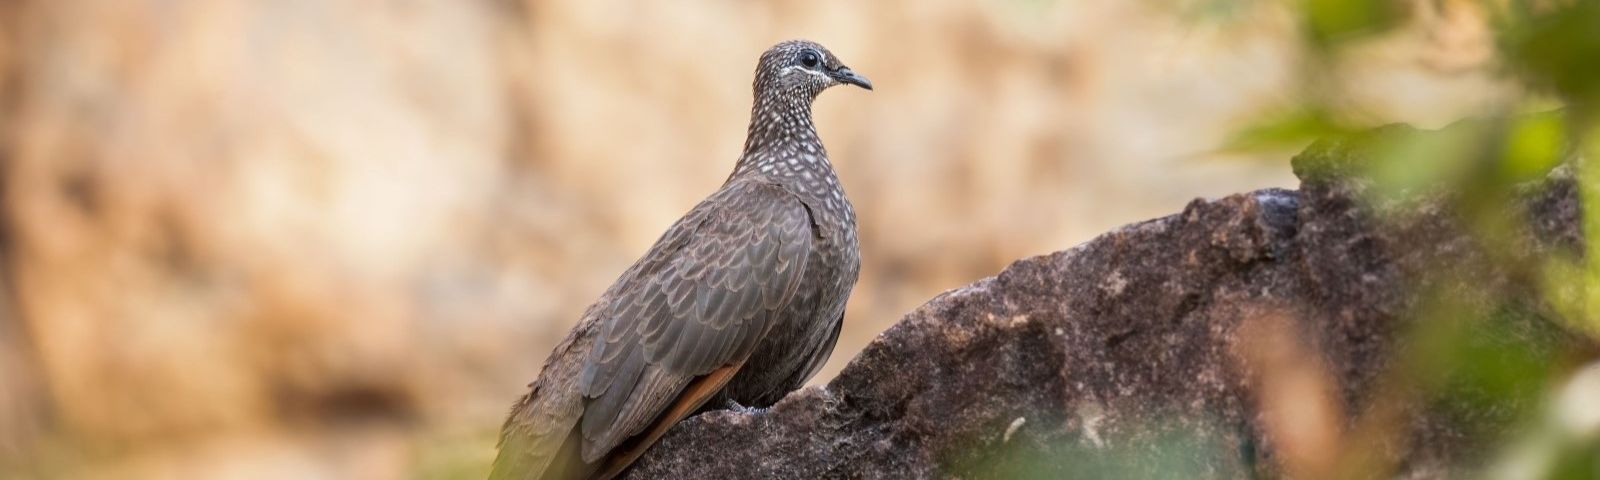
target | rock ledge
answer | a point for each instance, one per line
(1149, 349)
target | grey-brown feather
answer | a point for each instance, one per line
(755, 276)
(748, 242)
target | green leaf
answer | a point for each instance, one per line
(1329, 22)
(1534, 144)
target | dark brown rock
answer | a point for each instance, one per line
(1124, 354)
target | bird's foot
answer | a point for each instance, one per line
(735, 406)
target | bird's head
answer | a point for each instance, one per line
(803, 69)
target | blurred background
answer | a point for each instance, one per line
(335, 239)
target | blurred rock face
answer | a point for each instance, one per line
(244, 230)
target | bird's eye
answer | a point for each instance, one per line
(810, 59)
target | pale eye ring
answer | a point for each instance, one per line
(810, 59)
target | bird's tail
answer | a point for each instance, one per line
(526, 454)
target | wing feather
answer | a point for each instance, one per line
(700, 307)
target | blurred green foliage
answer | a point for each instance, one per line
(1492, 358)
(1173, 447)
(1554, 45)
(1460, 357)
(1534, 144)
(1289, 128)
(1329, 23)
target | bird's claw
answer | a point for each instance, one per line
(735, 406)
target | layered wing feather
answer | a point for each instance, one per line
(700, 300)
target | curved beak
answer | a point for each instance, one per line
(846, 75)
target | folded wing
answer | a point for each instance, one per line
(698, 303)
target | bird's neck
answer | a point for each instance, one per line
(782, 141)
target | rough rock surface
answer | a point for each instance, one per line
(1109, 354)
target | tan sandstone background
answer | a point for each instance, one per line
(334, 239)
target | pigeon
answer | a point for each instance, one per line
(737, 304)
